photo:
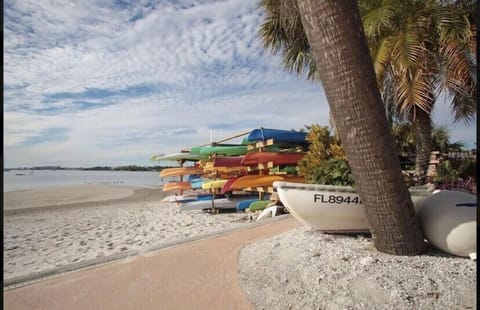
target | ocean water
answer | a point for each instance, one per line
(29, 179)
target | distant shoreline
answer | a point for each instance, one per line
(95, 168)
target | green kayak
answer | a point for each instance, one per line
(178, 156)
(220, 149)
(259, 205)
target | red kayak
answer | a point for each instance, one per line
(227, 187)
(227, 161)
(256, 158)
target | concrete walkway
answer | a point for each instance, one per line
(198, 275)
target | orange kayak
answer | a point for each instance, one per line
(262, 180)
(169, 172)
(176, 186)
(210, 166)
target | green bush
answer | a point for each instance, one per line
(325, 161)
(453, 169)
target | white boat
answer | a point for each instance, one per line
(333, 209)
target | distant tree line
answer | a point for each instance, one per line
(127, 168)
(95, 168)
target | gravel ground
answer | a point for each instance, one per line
(306, 269)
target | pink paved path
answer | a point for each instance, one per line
(198, 275)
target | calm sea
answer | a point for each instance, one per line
(28, 179)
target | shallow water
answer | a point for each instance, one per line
(29, 179)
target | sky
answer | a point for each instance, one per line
(97, 82)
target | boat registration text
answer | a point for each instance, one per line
(336, 199)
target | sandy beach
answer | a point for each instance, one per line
(52, 231)
(69, 227)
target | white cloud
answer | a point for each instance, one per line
(90, 83)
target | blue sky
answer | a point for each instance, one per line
(100, 82)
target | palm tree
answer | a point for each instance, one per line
(441, 140)
(420, 49)
(423, 49)
(282, 31)
(338, 46)
(404, 138)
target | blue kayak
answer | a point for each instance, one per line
(242, 205)
(198, 182)
(278, 136)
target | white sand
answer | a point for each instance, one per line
(306, 269)
(42, 234)
(55, 196)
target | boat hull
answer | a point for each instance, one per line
(333, 209)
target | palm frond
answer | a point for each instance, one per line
(377, 20)
(382, 59)
(272, 34)
(464, 108)
(453, 24)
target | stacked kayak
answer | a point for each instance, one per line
(244, 204)
(220, 149)
(179, 157)
(264, 156)
(277, 135)
(211, 168)
(189, 197)
(178, 171)
(228, 161)
(176, 186)
(284, 158)
(218, 203)
(214, 184)
(197, 182)
(259, 205)
(251, 181)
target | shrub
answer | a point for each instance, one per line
(325, 161)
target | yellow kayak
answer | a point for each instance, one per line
(214, 184)
(169, 172)
(209, 166)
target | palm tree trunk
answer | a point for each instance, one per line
(422, 127)
(339, 48)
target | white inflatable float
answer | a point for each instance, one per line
(269, 211)
(449, 222)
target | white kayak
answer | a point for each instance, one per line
(218, 203)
